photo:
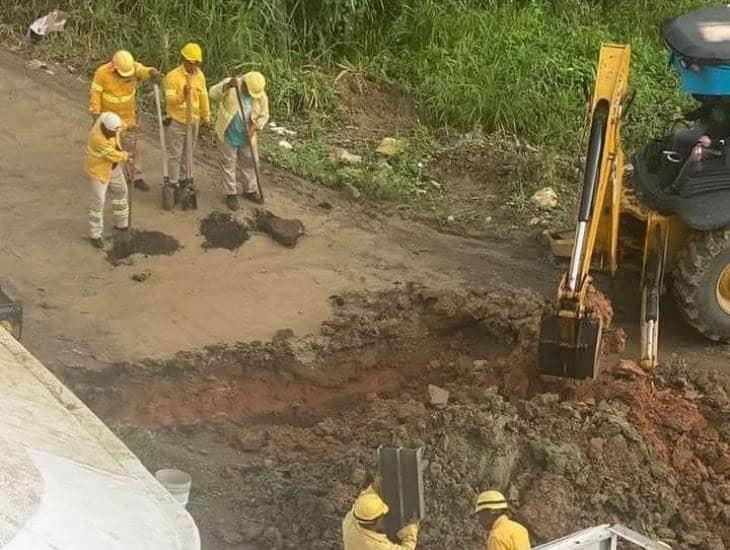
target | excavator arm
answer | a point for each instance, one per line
(570, 334)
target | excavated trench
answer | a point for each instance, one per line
(280, 436)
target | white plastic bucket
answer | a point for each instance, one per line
(177, 482)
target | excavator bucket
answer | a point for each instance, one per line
(569, 347)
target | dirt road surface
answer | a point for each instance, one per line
(82, 311)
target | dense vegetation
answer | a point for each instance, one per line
(516, 65)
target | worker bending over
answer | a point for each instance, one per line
(362, 527)
(114, 90)
(104, 159)
(234, 131)
(177, 94)
(503, 534)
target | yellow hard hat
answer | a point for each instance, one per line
(369, 507)
(123, 63)
(490, 500)
(256, 84)
(192, 52)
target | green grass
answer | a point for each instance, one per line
(514, 67)
(399, 178)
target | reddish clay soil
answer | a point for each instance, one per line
(268, 427)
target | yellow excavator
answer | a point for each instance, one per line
(666, 209)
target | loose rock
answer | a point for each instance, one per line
(437, 396)
(545, 198)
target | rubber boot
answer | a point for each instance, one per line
(141, 185)
(232, 202)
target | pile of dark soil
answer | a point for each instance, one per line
(222, 231)
(284, 231)
(147, 243)
(280, 437)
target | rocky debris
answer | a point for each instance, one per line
(545, 198)
(438, 397)
(142, 276)
(284, 231)
(351, 191)
(340, 155)
(284, 144)
(391, 147)
(627, 447)
(628, 369)
(281, 130)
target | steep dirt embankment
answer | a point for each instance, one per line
(288, 429)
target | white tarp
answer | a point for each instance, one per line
(66, 481)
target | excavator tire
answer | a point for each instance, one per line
(701, 283)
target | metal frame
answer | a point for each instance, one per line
(602, 537)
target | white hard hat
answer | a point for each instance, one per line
(111, 121)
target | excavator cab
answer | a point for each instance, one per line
(669, 208)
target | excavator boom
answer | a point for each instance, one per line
(570, 335)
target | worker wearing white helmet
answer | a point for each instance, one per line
(362, 528)
(491, 510)
(234, 131)
(114, 90)
(103, 164)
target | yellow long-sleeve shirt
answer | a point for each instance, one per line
(507, 535)
(175, 100)
(356, 537)
(228, 108)
(102, 153)
(111, 93)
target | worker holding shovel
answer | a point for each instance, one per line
(186, 98)
(114, 90)
(103, 164)
(236, 132)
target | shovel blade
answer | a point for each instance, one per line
(569, 347)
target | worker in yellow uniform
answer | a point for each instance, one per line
(114, 90)
(362, 527)
(491, 510)
(176, 96)
(234, 130)
(103, 164)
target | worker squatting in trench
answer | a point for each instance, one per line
(113, 154)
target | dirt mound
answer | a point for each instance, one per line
(273, 430)
(147, 243)
(222, 231)
(284, 231)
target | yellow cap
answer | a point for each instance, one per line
(369, 507)
(490, 500)
(123, 63)
(256, 84)
(192, 52)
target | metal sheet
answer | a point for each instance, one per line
(401, 472)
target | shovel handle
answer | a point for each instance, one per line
(163, 144)
(189, 127)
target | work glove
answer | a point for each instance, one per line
(409, 532)
(155, 75)
(231, 84)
